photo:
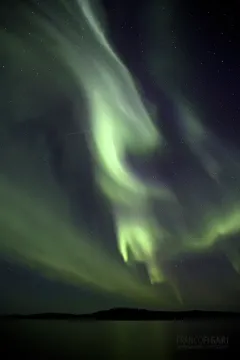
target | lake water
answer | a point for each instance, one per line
(119, 340)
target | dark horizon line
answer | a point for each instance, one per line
(131, 313)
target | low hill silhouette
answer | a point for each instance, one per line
(128, 314)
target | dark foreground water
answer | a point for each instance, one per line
(119, 340)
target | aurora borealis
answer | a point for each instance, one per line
(108, 137)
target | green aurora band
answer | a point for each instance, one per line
(41, 235)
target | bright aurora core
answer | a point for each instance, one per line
(155, 220)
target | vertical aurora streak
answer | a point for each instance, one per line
(119, 124)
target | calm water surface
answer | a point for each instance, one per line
(119, 340)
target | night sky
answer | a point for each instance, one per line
(174, 50)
